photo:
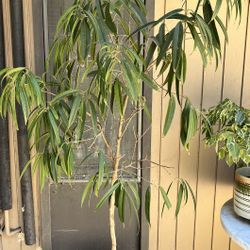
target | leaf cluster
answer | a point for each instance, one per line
(227, 128)
(166, 52)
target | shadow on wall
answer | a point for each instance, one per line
(210, 175)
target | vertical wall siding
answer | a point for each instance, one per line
(211, 180)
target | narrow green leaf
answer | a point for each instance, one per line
(87, 188)
(184, 122)
(177, 44)
(136, 210)
(118, 96)
(165, 46)
(25, 105)
(192, 124)
(81, 121)
(108, 19)
(62, 95)
(147, 203)
(150, 54)
(108, 194)
(112, 98)
(208, 13)
(198, 43)
(70, 162)
(165, 198)
(169, 115)
(223, 27)
(135, 192)
(131, 81)
(192, 193)
(117, 195)
(182, 68)
(179, 200)
(99, 30)
(217, 8)
(175, 14)
(100, 172)
(36, 88)
(93, 116)
(54, 126)
(178, 90)
(85, 38)
(74, 110)
(147, 80)
(11, 71)
(169, 79)
(121, 204)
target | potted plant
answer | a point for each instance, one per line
(98, 72)
(227, 128)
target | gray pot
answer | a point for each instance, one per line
(242, 192)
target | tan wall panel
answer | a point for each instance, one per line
(232, 88)
(155, 145)
(211, 180)
(246, 85)
(207, 166)
(189, 160)
(246, 78)
(168, 151)
(206, 179)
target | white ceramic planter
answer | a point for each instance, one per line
(242, 192)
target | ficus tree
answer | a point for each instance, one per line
(94, 77)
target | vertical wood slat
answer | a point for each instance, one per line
(155, 151)
(189, 160)
(169, 157)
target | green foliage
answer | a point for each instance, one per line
(165, 50)
(96, 69)
(227, 128)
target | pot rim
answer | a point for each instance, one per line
(240, 175)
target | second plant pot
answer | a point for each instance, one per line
(242, 192)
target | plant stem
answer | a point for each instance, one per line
(197, 7)
(116, 162)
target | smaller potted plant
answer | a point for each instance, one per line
(227, 128)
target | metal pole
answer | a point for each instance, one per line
(22, 137)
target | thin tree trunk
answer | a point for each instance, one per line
(115, 177)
